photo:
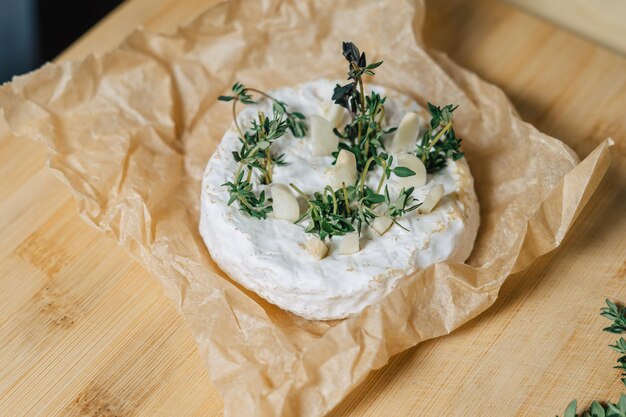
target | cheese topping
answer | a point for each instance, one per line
(276, 259)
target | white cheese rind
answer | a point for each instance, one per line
(269, 256)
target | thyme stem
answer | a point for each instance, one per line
(268, 165)
(299, 191)
(235, 118)
(263, 93)
(382, 114)
(329, 189)
(356, 67)
(345, 197)
(364, 173)
(382, 178)
(438, 136)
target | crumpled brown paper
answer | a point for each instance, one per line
(131, 132)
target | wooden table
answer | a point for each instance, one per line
(85, 330)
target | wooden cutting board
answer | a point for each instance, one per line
(604, 21)
(85, 330)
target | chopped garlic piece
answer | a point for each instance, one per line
(344, 170)
(381, 224)
(335, 114)
(432, 198)
(349, 244)
(324, 140)
(406, 136)
(416, 165)
(346, 157)
(316, 247)
(284, 204)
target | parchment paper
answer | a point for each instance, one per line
(131, 132)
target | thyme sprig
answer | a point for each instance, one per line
(295, 121)
(363, 135)
(384, 161)
(348, 208)
(403, 204)
(254, 153)
(327, 211)
(366, 202)
(620, 347)
(241, 190)
(240, 94)
(351, 95)
(439, 142)
(618, 314)
(617, 409)
(255, 150)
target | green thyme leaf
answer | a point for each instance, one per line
(570, 411)
(597, 410)
(403, 172)
(617, 314)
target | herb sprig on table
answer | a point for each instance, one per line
(616, 313)
(617, 409)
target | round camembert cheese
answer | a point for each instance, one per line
(270, 257)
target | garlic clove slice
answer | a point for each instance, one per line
(416, 165)
(349, 244)
(344, 170)
(316, 247)
(432, 198)
(381, 224)
(346, 158)
(284, 204)
(324, 140)
(405, 137)
(335, 114)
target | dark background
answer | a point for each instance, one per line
(36, 31)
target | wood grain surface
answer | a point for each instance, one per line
(86, 331)
(604, 22)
